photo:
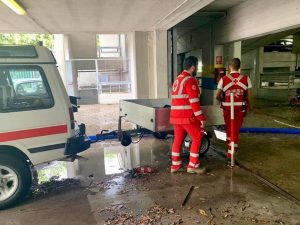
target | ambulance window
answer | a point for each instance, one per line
(24, 88)
(18, 52)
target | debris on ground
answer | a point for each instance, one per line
(263, 221)
(101, 186)
(202, 199)
(211, 221)
(202, 212)
(280, 222)
(53, 185)
(145, 170)
(187, 197)
(154, 215)
(142, 170)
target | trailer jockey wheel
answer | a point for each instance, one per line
(125, 139)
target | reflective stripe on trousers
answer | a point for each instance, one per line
(180, 132)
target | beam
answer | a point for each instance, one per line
(183, 11)
(255, 18)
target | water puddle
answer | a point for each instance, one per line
(106, 159)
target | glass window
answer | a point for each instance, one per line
(24, 88)
(17, 52)
(109, 46)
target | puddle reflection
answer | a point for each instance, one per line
(105, 159)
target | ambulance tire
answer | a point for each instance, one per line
(204, 145)
(20, 176)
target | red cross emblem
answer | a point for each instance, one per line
(235, 81)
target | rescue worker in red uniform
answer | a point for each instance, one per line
(240, 86)
(187, 117)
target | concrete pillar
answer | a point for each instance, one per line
(174, 41)
(258, 69)
(149, 63)
(232, 50)
(170, 61)
(160, 64)
(142, 63)
(237, 49)
(66, 68)
(131, 54)
(60, 56)
(207, 82)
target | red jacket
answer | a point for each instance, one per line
(186, 107)
(238, 85)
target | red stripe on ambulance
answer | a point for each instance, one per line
(31, 133)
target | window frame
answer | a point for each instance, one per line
(44, 80)
(117, 47)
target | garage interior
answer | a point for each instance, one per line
(146, 42)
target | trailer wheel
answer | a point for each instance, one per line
(293, 102)
(160, 135)
(204, 145)
(15, 180)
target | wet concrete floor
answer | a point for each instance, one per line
(97, 189)
(106, 195)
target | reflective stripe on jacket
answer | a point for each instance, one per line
(186, 107)
(238, 85)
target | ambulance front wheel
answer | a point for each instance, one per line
(15, 180)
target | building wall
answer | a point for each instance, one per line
(254, 62)
(202, 39)
(280, 59)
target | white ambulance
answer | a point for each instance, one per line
(36, 118)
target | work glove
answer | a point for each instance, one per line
(203, 122)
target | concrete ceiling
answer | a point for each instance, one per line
(223, 5)
(104, 16)
(197, 20)
(97, 16)
(217, 9)
(254, 43)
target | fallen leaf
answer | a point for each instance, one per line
(263, 221)
(172, 211)
(202, 212)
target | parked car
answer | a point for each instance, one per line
(283, 45)
(29, 87)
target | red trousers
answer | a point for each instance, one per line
(196, 133)
(238, 121)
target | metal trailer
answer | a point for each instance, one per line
(153, 115)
